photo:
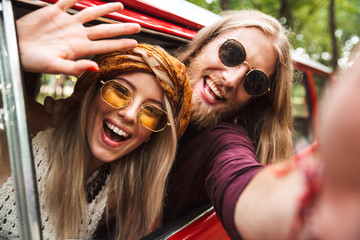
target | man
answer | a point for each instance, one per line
(218, 161)
(316, 195)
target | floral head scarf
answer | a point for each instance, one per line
(169, 71)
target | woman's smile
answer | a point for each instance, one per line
(113, 135)
(113, 132)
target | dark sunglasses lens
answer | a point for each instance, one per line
(116, 94)
(256, 83)
(153, 117)
(232, 53)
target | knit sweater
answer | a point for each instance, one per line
(9, 225)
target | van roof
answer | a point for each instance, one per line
(175, 17)
(178, 11)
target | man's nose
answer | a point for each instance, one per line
(233, 76)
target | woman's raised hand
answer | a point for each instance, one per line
(52, 41)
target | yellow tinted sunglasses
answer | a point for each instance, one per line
(118, 95)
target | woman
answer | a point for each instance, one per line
(118, 109)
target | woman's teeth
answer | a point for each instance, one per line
(116, 129)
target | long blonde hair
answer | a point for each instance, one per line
(137, 181)
(267, 119)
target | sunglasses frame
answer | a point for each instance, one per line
(131, 100)
(247, 63)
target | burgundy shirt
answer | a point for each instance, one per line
(213, 164)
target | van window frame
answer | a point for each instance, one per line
(17, 133)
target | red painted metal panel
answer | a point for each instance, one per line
(313, 97)
(204, 228)
(155, 11)
(310, 71)
(135, 17)
(309, 67)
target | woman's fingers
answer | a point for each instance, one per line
(65, 4)
(111, 45)
(92, 13)
(112, 30)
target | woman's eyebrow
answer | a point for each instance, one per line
(134, 89)
(127, 82)
(155, 101)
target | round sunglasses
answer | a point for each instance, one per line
(232, 54)
(118, 95)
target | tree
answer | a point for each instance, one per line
(317, 31)
(332, 27)
(225, 4)
(286, 12)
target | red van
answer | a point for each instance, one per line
(170, 24)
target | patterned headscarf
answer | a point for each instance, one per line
(169, 71)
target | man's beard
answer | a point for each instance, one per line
(203, 115)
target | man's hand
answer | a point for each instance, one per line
(56, 109)
(52, 40)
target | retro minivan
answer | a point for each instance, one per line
(170, 24)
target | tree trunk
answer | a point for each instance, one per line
(285, 11)
(332, 24)
(225, 4)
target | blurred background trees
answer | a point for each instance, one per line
(326, 31)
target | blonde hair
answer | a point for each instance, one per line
(137, 181)
(267, 119)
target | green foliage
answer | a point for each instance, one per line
(309, 23)
(46, 79)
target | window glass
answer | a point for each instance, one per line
(301, 112)
(320, 84)
(4, 153)
(57, 86)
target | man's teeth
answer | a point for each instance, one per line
(116, 129)
(213, 88)
(209, 95)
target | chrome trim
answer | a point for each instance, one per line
(143, 29)
(16, 128)
(190, 222)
